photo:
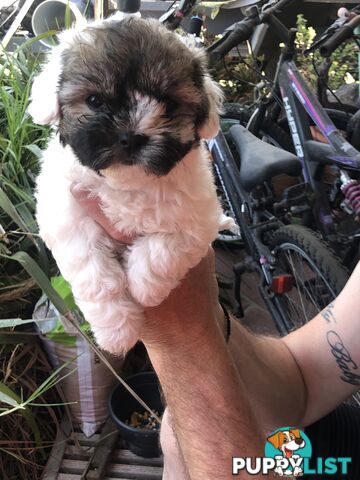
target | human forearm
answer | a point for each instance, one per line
(327, 351)
(208, 404)
(207, 401)
(272, 377)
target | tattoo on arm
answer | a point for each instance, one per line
(343, 358)
(328, 313)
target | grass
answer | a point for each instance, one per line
(21, 142)
(29, 405)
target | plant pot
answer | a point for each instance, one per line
(122, 404)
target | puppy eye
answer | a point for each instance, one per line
(94, 101)
(171, 105)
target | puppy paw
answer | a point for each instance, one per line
(117, 342)
(227, 223)
(156, 264)
(116, 323)
(97, 284)
(297, 472)
(149, 292)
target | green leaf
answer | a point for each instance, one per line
(8, 396)
(40, 278)
(9, 208)
(14, 322)
(11, 398)
(35, 150)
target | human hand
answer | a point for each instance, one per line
(189, 313)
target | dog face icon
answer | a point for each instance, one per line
(287, 441)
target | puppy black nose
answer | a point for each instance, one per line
(130, 141)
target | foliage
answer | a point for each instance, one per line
(20, 145)
(344, 59)
(28, 404)
(236, 76)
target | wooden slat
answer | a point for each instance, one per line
(117, 456)
(73, 457)
(115, 470)
(95, 469)
(125, 456)
(82, 438)
(135, 471)
(91, 441)
(57, 452)
(76, 453)
(67, 476)
(70, 476)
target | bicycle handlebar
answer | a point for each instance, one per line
(242, 31)
(344, 33)
(174, 16)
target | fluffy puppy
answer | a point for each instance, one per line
(131, 104)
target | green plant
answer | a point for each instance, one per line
(20, 149)
(236, 76)
(344, 59)
(29, 406)
(25, 375)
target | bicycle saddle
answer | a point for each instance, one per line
(261, 161)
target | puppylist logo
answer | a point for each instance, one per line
(287, 453)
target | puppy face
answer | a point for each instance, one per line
(287, 441)
(127, 93)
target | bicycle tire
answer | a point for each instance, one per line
(292, 243)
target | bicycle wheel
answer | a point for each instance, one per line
(317, 273)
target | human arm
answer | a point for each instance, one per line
(327, 351)
(266, 383)
(209, 405)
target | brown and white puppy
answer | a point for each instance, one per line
(288, 442)
(131, 104)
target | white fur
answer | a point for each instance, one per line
(174, 219)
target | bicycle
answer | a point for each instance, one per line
(298, 275)
(331, 209)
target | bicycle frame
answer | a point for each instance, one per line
(252, 224)
(300, 104)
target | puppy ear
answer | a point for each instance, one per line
(275, 440)
(44, 104)
(210, 127)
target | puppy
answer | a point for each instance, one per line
(288, 441)
(131, 104)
